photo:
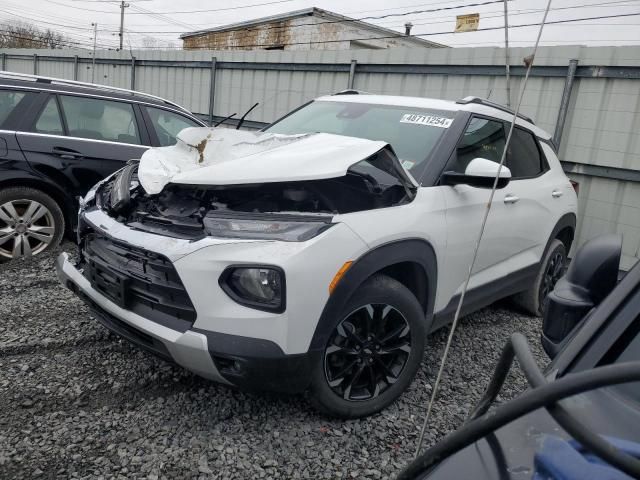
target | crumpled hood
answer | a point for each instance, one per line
(218, 156)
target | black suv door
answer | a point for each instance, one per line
(79, 140)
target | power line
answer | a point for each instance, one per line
(427, 20)
(348, 20)
(399, 35)
(192, 11)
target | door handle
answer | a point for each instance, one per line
(556, 194)
(66, 153)
(510, 198)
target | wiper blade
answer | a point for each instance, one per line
(246, 113)
(225, 119)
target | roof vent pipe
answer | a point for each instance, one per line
(407, 28)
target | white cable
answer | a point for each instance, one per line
(529, 62)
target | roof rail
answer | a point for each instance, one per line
(487, 103)
(351, 91)
(62, 81)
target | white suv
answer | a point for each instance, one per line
(317, 254)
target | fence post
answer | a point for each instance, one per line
(564, 102)
(352, 74)
(4, 61)
(212, 90)
(133, 73)
(75, 67)
(35, 63)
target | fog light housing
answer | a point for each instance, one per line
(256, 286)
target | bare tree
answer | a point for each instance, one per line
(26, 35)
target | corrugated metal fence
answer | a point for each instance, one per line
(593, 91)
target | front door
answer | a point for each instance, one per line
(466, 206)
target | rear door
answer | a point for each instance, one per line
(14, 103)
(83, 138)
(529, 197)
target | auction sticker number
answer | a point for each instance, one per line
(428, 120)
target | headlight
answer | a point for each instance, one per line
(261, 287)
(295, 230)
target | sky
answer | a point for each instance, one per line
(158, 23)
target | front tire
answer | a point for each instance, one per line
(30, 223)
(373, 353)
(552, 268)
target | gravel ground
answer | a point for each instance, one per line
(77, 402)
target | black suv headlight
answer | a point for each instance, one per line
(257, 286)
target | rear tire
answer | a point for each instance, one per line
(373, 353)
(552, 268)
(31, 222)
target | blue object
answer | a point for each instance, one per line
(560, 459)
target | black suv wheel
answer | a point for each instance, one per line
(552, 268)
(30, 222)
(373, 353)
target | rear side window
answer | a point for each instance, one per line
(523, 156)
(483, 138)
(49, 120)
(9, 99)
(100, 119)
(167, 125)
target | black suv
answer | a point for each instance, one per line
(57, 139)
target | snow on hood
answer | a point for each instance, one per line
(219, 156)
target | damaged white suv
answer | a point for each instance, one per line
(316, 255)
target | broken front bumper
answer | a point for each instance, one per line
(189, 349)
(245, 362)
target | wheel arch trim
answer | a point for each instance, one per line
(413, 250)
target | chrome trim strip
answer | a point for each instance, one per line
(108, 142)
(179, 111)
(63, 81)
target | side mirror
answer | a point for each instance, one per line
(481, 173)
(592, 275)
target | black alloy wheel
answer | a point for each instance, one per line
(367, 352)
(554, 271)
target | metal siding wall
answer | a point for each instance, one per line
(601, 128)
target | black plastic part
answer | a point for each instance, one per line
(280, 307)
(414, 251)
(122, 329)
(245, 115)
(120, 195)
(488, 103)
(592, 275)
(257, 364)
(455, 178)
(141, 281)
(544, 395)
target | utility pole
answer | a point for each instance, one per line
(124, 5)
(506, 52)
(95, 38)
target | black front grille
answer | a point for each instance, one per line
(138, 280)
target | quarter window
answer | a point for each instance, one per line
(100, 119)
(482, 139)
(8, 101)
(167, 125)
(49, 120)
(523, 155)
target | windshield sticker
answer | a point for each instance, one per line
(428, 120)
(407, 164)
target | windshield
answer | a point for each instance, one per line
(411, 132)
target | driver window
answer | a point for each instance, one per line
(483, 138)
(168, 124)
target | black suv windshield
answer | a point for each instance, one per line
(410, 131)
